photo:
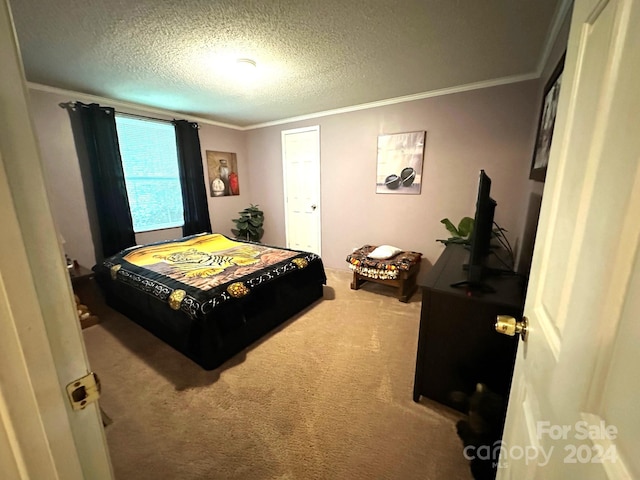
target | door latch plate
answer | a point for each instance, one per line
(84, 391)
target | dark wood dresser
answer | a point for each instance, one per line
(458, 346)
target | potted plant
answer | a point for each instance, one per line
(249, 225)
(461, 234)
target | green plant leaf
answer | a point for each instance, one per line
(450, 227)
(465, 227)
(454, 240)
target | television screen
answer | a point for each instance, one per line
(481, 235)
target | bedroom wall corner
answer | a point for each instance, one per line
(63, 176)
(533, 190)
(73, 212)
(223, 209)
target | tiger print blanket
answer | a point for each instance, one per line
(207, 261)
(202, 269)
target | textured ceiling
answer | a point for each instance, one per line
(311, 56)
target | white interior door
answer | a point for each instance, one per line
(41, 345)
(573, 405)
(301, 167)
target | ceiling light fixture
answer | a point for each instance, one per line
(246, 64)
(244, 72)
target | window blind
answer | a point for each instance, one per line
(150, 162)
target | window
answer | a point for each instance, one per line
(150, 162)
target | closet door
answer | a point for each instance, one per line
(301, 167)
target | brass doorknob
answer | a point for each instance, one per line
(507, 325)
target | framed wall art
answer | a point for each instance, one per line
(399, 167)
(223, 174)
(546, 123)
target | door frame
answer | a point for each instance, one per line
(589, 327)
(317, 183)
(41, 339)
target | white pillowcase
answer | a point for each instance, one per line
(384, 252)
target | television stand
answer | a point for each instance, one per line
(474, 286)
(458, 346)
(476, 279)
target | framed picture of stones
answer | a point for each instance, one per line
(399, 163)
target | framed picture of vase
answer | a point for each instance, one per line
(399, 167)
(222, 168)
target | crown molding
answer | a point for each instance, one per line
(563, 9)
(406, 98)
(129, 105)
(337, 111)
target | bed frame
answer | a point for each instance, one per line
(211, 343)
(229, 327)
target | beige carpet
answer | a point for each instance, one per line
(326, 396)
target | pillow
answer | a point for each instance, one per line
(384, 252)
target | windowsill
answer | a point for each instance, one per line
(142, 232)
(160, 235)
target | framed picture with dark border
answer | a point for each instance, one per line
(546, 123)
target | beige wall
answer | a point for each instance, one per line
(535, 190)
(62, 175)
(491, 128)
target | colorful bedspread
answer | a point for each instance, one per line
(195, 274)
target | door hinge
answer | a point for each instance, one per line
(84, 391)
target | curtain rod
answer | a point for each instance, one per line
(72, 105)
(135, 115)
(65, 105)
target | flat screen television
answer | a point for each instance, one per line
(481, 235)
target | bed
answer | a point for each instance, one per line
(209, 296)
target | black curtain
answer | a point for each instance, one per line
(194, 192)
(94, 129)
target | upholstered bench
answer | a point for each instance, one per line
(385, 265)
